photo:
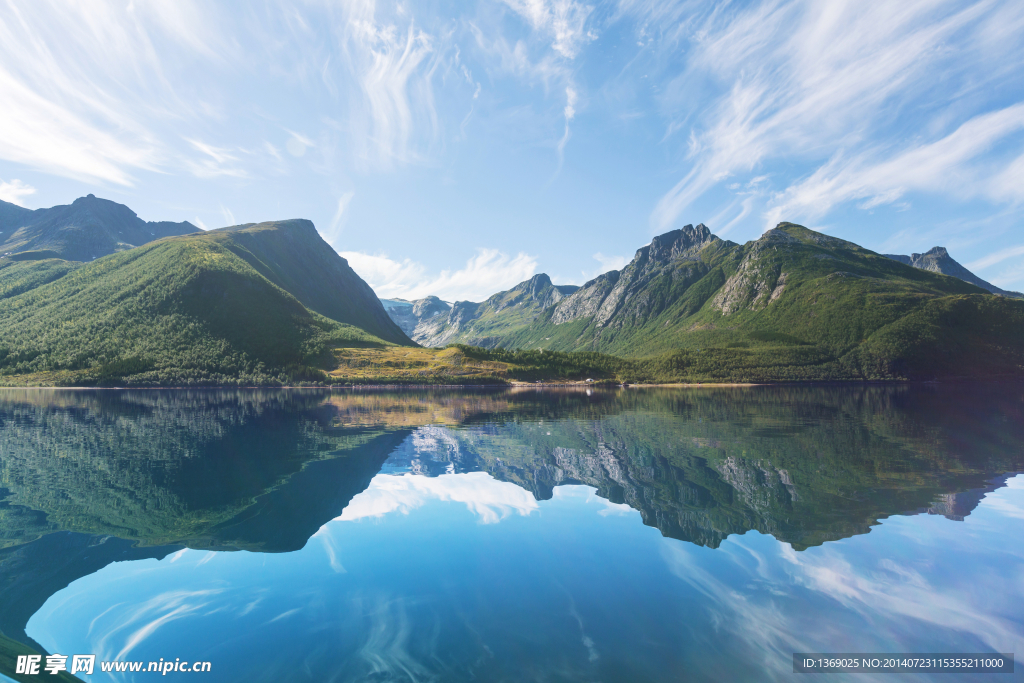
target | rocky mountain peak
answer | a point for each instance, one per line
(429, 306)
(684, 242)
(937, 252)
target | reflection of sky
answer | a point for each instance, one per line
(461, 576)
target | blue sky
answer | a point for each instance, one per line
(456, 148)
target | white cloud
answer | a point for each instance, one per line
(611, 262)
(562, 21)
(807, 78)
(485, 273)
(569, 112)
(940, 166)
(297, 144)
(486, 497)
(607, 263)
(570, 103)
(216, 161)
(15, 191)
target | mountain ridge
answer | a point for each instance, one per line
(86, 229)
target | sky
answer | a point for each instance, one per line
(458, 148)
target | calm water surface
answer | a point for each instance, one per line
(628, 535)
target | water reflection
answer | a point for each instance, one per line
(91, 478)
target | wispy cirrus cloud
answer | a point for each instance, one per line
(941, 166)
(562, 21)
(392, 113)
(215, 161)
(804, 80)
(486, 272)
(81, 83)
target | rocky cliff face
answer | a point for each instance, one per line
(624, 297)
(938, 260)
(86, 229)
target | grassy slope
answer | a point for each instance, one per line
(181, 310)
(293, 256)
(845, 313)
(459, 364)
(19, 276)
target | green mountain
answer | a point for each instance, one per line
(84, 230)
(792, 305)
(257, 303)
(938, 260)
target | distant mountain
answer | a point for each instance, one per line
(432, 322)
(413, 316)
(938, 260)
(793, 304)
(251, 304)
(86, 229)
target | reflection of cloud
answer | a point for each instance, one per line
(152, 614)
(489, 499)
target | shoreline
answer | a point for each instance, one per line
(528, 385)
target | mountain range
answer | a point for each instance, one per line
(794, 299)
(432, 322)
(273, 303)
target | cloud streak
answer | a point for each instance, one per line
(393, 68)
(486, 272)
(82, 84)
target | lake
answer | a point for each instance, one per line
(641, 534)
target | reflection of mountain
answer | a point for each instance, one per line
(169, 467)
(804, 465)
(263, 470)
